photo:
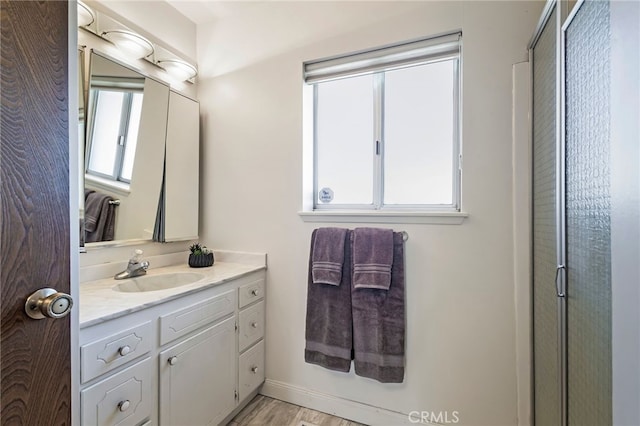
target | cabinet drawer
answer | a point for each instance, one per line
(251, 325)
(251, 292)
(104, 355)
(251, 366)
(183, 321)
(123, 399)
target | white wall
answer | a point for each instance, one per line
(625, 211)
(522, 236)
(461, 336)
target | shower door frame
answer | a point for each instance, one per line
(560, 193)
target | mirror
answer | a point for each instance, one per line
(181, 186)
(124, 149)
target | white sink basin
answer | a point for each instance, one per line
(157, 282)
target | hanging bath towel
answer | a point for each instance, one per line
(379, 322)
(328, 329)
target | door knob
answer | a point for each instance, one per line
(48, 303)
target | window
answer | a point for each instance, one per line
(386, 127)
(113, 131)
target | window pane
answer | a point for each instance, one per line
(106, 129)
(132, 137)
(345, 139)
(418, 142)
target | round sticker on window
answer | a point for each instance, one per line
(325, 195)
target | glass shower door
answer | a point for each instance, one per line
(547, 406)
(588, 219)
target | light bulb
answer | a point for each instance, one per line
(178, 69)
(85, 15)
(133, 45)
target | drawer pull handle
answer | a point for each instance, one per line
(124, 405)
(124, 350)
(173, 360)
(255, 292)
(254, 369)
(254, 324)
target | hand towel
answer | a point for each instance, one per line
(372, 258)
(328, 256)
(328, 331)
(379, 324)
(99, 217)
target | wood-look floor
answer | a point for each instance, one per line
(265, 411)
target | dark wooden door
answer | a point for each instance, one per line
(35, 364)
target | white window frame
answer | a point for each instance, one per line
(129, 87)
(377, 62)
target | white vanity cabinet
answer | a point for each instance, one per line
(251, 336)
(195, 359)
(197, 377)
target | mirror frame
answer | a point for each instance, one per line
(82, 136)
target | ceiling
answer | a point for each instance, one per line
(201, 11)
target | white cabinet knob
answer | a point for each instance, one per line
(255, 292)
(254, 324)
(254, 369)
(173, 360)
(124, 405)
(124, 350)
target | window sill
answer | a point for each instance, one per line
(435, 218)
(108, 185)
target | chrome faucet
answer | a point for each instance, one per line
(135, 267)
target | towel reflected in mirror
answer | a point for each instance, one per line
(99, 216)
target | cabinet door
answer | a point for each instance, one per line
(197, 377)
(181, 169)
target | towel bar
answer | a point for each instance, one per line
(114, 202)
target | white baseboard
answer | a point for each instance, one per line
(345, 408)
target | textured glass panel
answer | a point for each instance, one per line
(545, 311)
(345, 139)
(418, 134)
(588, 216)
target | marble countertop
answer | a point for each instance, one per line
(99, 302)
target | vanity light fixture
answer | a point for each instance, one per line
(178, 69)
(134, 45)
(85, 15)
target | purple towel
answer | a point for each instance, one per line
(99, 217)
(328, 331)
(372, 258)
(327, 256)
(379, 324)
